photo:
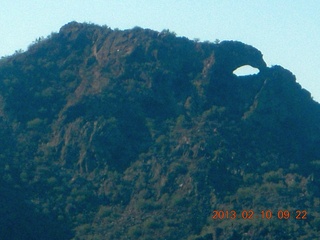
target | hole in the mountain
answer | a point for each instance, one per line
(245, 70)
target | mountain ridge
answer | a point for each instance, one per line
(110, 128)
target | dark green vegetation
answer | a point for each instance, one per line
(140, 135)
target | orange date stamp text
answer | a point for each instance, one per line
(263, 214)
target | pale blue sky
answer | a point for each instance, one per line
(287, 32)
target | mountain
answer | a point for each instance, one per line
(138, 134)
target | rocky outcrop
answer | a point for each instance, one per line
(230, 55)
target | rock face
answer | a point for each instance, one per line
(139, 134)
(230, 55)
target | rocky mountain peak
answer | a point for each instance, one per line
(103, 130)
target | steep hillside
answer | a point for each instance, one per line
(138, 134)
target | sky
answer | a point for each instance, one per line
(287, 32)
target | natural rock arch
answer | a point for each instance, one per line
(230, 55)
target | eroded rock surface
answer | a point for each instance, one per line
(230, 55)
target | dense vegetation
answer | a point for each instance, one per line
(136, 134)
